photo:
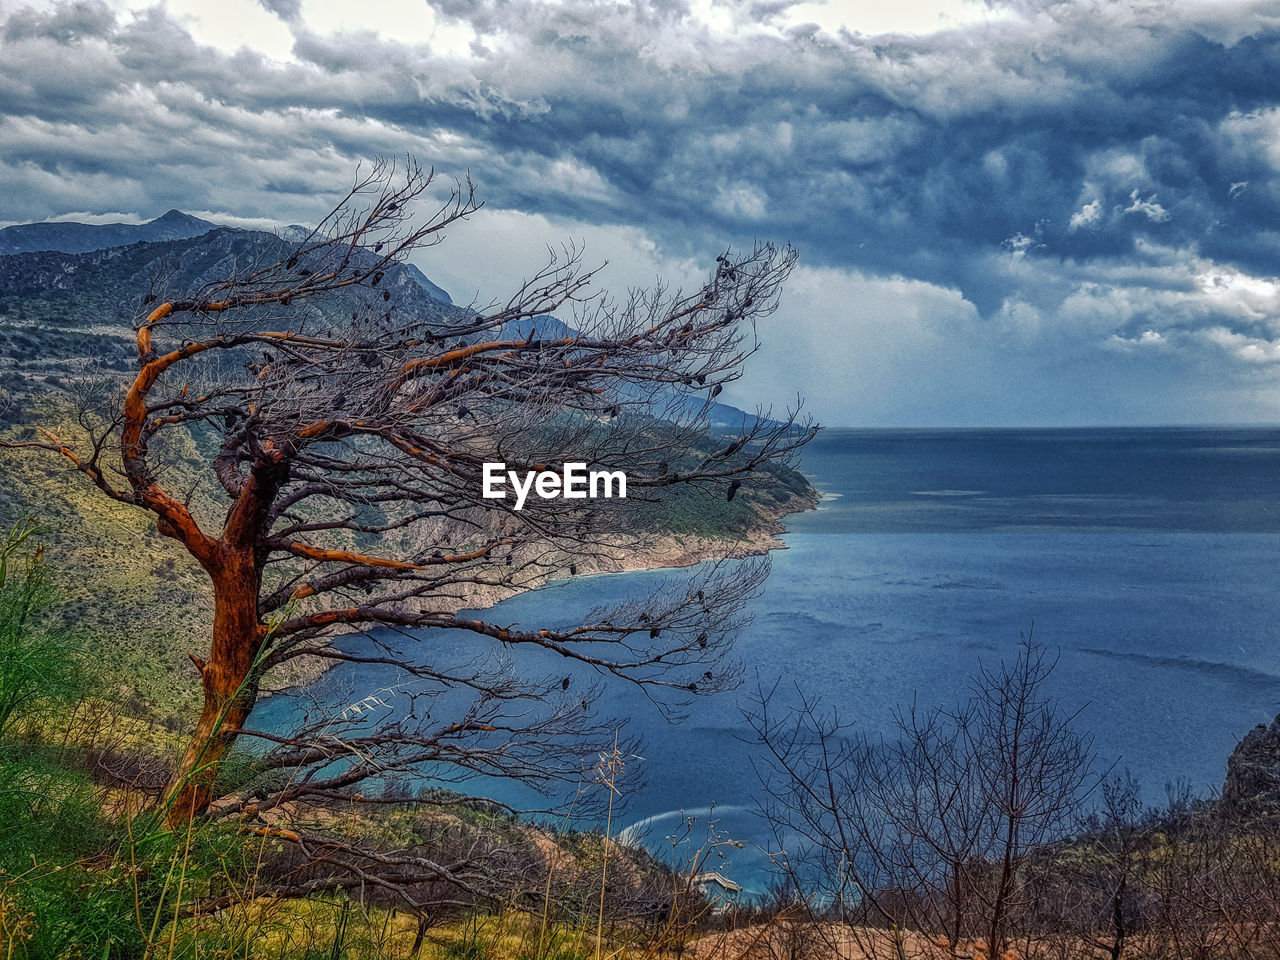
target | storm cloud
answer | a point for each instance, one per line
(1042, 213)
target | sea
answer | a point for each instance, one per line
(1146, 560)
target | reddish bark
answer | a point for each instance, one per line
(229, 682)
(230, 676)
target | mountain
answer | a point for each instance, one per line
(73, 290)
(107, 285)
(71, 237)
(436, 293)
(84, 237)
(59, 309)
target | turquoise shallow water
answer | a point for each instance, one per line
(1148, 558)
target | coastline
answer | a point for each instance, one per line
(668, 551)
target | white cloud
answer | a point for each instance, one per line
(1086, 216)
(1255, 135)
(1147, 339)
(1149, 207)
(224, 219)
(741, 200)
(903, 16)
(1021, 319)
(1116, 166)
(84, 216)
(1020, 244)
(1248, 302)
(1255, 350)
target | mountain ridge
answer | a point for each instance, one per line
(71, 236)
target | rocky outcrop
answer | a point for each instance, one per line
(1253, 770)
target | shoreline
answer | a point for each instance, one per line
(666, 552)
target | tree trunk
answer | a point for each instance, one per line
(421, 935)
(1117, 919)
(230, 685)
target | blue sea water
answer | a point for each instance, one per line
(1148, 558)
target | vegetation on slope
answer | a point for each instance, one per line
(132, 881)
(89, 867)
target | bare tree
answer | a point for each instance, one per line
(927, 833)
(348, 434)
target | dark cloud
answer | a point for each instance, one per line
(284, 9)
(1080, 175)
(67, 24)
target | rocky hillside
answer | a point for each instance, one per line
(60, 308)
(1253, 770)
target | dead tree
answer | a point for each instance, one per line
(930, 830)
(344, 493)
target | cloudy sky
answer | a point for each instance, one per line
(1023, 212)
